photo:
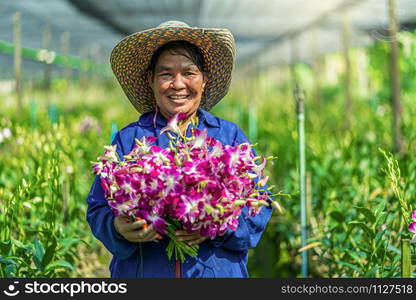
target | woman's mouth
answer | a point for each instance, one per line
(178, 97)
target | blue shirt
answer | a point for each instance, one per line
(224, 256)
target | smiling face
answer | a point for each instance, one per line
(177, 83)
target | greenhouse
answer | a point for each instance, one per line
(322, 90)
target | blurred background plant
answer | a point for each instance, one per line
(359, 195)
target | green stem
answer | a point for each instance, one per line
(406, 259)
(180, 249)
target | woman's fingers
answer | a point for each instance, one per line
(147, 233)
(123, 225)
(190, 238)
(138, 231)
(183, 233)
(135, 225)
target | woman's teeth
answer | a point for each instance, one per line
(178, 97)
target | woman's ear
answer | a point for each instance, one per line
(150, 79)
(205, 79)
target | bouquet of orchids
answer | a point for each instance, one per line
(196, 184)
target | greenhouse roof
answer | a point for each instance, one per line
(263, 29)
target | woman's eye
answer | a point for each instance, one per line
(164, 74)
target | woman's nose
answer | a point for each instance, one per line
(178, 82)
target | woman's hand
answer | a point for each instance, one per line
(135, 232)
(190, 238)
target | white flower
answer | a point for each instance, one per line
(128, 188)
(6, 133)
(69, 169)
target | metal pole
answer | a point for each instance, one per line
(395, 77)
(299, 95)
(252, 116)
(46, 44)
(82, 76)
(294, 57)
(65, 48)
(316, 66)
(346, 44)
(17, 40)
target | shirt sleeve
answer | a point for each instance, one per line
(250, 229)
(100, 218)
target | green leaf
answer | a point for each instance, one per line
(394, 249)
(372, 272)
(50, 251)
(38, 254)
(326, 242)
(349, 266)
(5, 247)
(380, 208)
(69, 242)
(337, 216)
(7, 260)
(355, 257)
(379, 236)
(58, 265)
(10, 270)
(381, 218)
(364, 227)
(20, 245)
(367, 213)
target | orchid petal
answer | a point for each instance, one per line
(412, 227)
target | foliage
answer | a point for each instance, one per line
(359, 203)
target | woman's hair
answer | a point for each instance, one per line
(192, 52)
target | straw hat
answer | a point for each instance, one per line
(130, 59)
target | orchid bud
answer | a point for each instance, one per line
(276, 205)
(264, 203)
(220, 208)
(209, 209)
(178, 161)
(251, 175)
(170, 136)
(239, 203)
(171, 147)
(262, 182)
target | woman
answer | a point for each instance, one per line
(169, 69)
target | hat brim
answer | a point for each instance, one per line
(131, 56)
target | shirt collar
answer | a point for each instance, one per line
(146, 119)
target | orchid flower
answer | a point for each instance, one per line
(173, 124)
(200, 138)
(412, 226)
(258, 169)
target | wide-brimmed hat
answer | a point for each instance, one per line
(130, 60)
